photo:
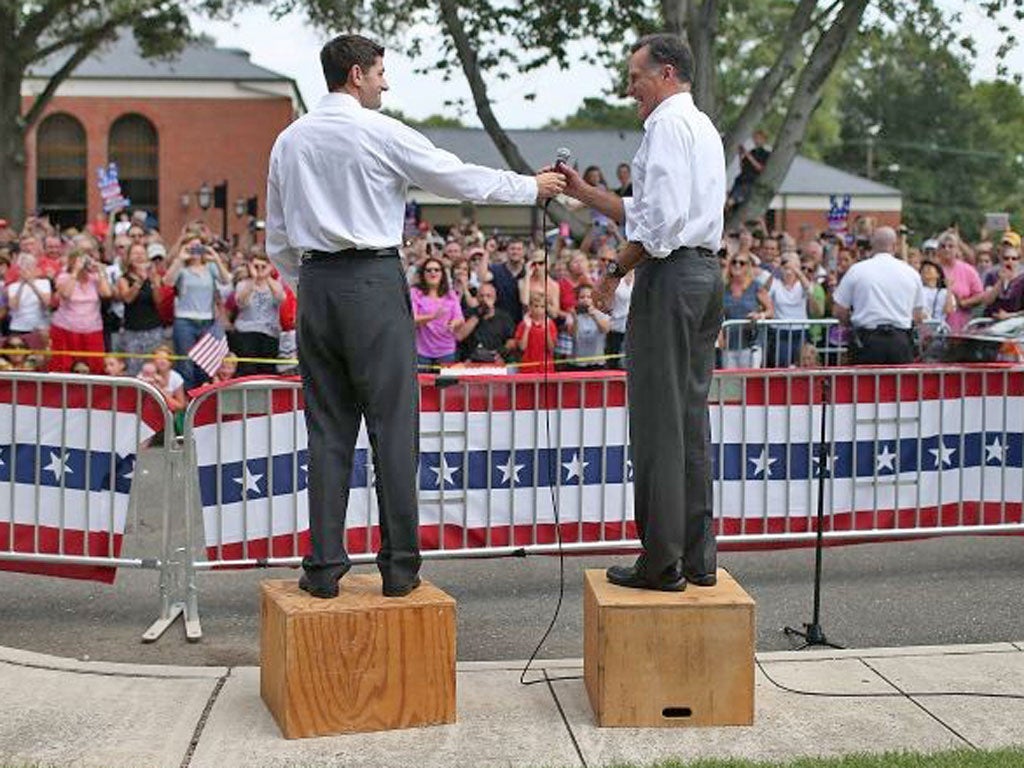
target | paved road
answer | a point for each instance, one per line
(954, 590)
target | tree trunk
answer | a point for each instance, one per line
(761, 97)
(805, 100)
(696, 22)
(701, 31)
(12, 135)
(508, 149)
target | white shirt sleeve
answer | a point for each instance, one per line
(284, 257)
(844, 291)
(657, 219)
(444, 174)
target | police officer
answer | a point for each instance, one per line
(881, 298)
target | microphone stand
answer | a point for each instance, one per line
(813, 635)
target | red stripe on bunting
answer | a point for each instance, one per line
(868, 385)
(49, 544)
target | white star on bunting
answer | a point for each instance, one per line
(249, 481)
(58, 466)
(763, 464)
(444, 470)
(943, 455)
(575, 468)
(830, 464)
(510, 471)
(886, 459)
(994, 451)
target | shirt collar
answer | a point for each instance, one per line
(338, 100)
(677, 101)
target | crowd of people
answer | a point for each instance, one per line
(116, 298)
(135, 304)
(793, 282)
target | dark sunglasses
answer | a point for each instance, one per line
(739, 262)
(431, 270)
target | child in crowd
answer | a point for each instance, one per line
(226, 372)
(114, 366)
(81, 367)
(535, 333)
(171, 382)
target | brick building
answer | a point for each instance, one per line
(208, 115)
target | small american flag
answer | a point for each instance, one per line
(211, 349)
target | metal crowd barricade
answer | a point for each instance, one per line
(69, 451)
(748, 344)
(532, 464)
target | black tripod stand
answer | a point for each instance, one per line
(812, 633)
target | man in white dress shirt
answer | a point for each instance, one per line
(673, 226)
(881, 298)
(335, 210)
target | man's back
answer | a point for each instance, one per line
(880, 291)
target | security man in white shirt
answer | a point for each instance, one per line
(881, 298)
(673, 226)
(336, 196)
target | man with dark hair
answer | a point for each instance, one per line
(673, 227)
(336, 195)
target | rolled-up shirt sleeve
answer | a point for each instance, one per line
(657, 219)
(279, 249)
(444, 174)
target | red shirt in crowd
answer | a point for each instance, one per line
(535, 352)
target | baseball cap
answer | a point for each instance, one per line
(156, 251)
(1010, 238)
(931, 244)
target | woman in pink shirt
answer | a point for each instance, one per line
(961, 279)
(438, 315)
(77, 323)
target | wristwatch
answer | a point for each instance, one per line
(614, 270)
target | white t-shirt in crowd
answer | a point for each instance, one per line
(935, 303)
(790, 303)
(174, 381)
(31, 313)
(620, 305)
(880, 291)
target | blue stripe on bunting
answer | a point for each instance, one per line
(593, 465)
(69, 464)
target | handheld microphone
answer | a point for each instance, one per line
(562, 157)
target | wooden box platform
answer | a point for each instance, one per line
(359, 662)
(671, 659)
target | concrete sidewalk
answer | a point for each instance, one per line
(64, 712)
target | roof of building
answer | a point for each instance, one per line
(122, 59)
(607, 148)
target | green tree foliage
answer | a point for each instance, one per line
(431, 121)
(911, 118)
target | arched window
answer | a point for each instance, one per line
(135, 149)
(61, 170)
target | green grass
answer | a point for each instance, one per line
(1001, 758)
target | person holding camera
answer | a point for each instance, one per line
(139, 291)
(257, 331)
(589, 331)
(77, 323)
(194, 272)
(488, 329)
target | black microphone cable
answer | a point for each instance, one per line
(553, 462)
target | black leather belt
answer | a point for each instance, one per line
(687, 250)
(350, 253)
(883, 330)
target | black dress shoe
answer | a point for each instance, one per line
(701, 579)
(322, 583)
(401, 590)
(669, 580)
